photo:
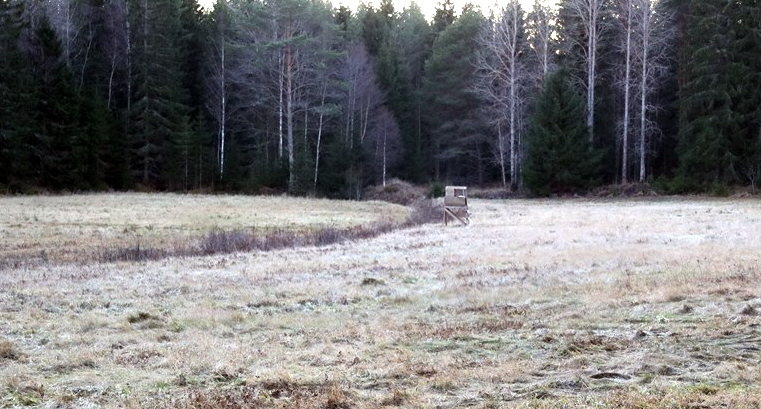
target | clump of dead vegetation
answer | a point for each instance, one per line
(396, 191)
(8, 350)
(267, 394)
(697, 396)
(22, 392)
(625, 190)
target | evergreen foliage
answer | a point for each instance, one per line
(560, 158)
(293, 95)
(720, 101)
(452, 109)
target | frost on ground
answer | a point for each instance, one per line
(535, 304)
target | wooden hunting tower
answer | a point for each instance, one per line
(456, 204)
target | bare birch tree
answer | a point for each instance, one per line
(501, 68)
(626, 12)
(644, 39)
(217, 78)
(115, 45)
(653, 39)
(540, 31)
(363, 95)
(590, 15)
(384, 142)
(74, 22)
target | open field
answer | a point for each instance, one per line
(81, 227)
(542, 304)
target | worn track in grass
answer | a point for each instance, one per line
(569, 303)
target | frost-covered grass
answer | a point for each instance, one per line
(545, 304)
(81, 228)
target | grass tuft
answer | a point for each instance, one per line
(397, 398)
(8, 350)
(336, 397)
(23, 392)
(141, 317)
(372, 281)
(749, 310)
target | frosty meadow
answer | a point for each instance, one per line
(536, 304)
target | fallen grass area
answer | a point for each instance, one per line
(536, 304)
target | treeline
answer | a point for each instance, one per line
(299, 96)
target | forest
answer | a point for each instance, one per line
(303, 97)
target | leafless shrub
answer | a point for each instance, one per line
(134, 253)
(324, 237)
(425, 211)
(396, 191)
(221, 241)
(278, 240)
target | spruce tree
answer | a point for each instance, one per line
(159, 110)
(720, 118)
(560, 157)
(14, 96)
(54, 109)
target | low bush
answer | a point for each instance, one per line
(134, 253)
(426, 211)
(221, 241)
(396, 191)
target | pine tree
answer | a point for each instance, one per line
(452, 110)
(414, 41)
(444, 17)
(560, 158)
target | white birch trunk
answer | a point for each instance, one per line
(280, 106)
(513, 77)
(589, 11)
(222, 108)
(645, 29)
(319, 136)
(627, 85)
(289, 112)
(385, 159)
(591, 66)
(502, 154)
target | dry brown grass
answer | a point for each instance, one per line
(8, 350)
(537, 304)
(130, 226)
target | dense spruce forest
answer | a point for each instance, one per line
(305, 97)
